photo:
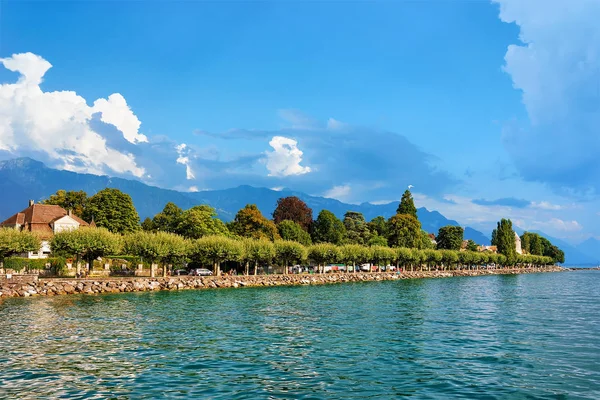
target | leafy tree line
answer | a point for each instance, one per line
(293, 221)
(169, 249)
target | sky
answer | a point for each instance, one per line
(489, 109)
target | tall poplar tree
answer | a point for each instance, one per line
(505, 239)
(407, 205)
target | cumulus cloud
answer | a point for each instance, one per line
(183, 159)
(340, 192)
(545, 205)
(557, 68)
(285, 158)
(56, 126)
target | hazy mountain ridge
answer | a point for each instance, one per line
(23, 179)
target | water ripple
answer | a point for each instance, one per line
(496, 337)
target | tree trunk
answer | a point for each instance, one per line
(164, 267)
(247, 269)
(255, 268)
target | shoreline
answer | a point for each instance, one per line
(65, 286)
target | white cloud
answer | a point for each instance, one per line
(381, 202)
(277, 188)
(338, 192)
(182, 151)
(557, 69)
(57, 124)
(553, 224)
(544, 205)
(193, 189)
(285, 158)
(116, 112)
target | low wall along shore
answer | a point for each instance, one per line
(19, 287)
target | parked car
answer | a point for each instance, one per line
(181, 272)
(201, 272)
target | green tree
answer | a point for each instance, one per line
(328, 229)
(86, 243)
(424, 241)
(505, 239)
(249, 222)
(257, 252)
(494, 240)
(76, 201)
(357, 230)
(450, 237)
(290, 230)
(157, 247)
(407, 205)
(200, 221)
(382, 255)
(378, 226)
(353, 254)
(449, 258)
(293, 209)
(403, 231)
(13, 242)
(471, 245)
(168, 219)
(113, 210)
(323, 254)
(215, 250)
(377, 240)
(289, 253)
(148, 225)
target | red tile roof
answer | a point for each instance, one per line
(38, 217)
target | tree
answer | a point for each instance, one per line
(148, 225)
(328, 229)
(200, 221)
(86, 243)
(290, 230)
(357, 230)
(382, 255)
(288, 253)
(424, 241)
(168, 219)
(494, 240)
(378, 226)
(113, 210)
(324, 253)
(257, 252)
(352, 254)
(471, 245)
(293, 209)
(532, 243)
(403, 231)
(449, 257)
(407, 205)
(450, 237)
(377, 240)
(505, 240)
(76, 201)
(157, 247)
(13, 242)
(249, 222)
(215, 250)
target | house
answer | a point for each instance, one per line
(45, 220)
(492, 249)
(432, 238)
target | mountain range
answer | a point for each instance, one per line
(23, 179)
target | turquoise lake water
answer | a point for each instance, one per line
(498, 337)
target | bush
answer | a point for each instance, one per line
(56, 264)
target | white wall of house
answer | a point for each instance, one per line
(43, 252)
(65, 223)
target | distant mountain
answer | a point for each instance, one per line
(23, 179)
(591, 248)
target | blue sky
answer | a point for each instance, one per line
(489, 109)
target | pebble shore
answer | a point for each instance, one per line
(57, 286)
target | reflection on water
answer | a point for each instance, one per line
(526, 336)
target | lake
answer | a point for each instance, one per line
(492, 337)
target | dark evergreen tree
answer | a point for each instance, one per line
(450, 237)
(407, 205)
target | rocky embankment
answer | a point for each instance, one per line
(52, 287)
